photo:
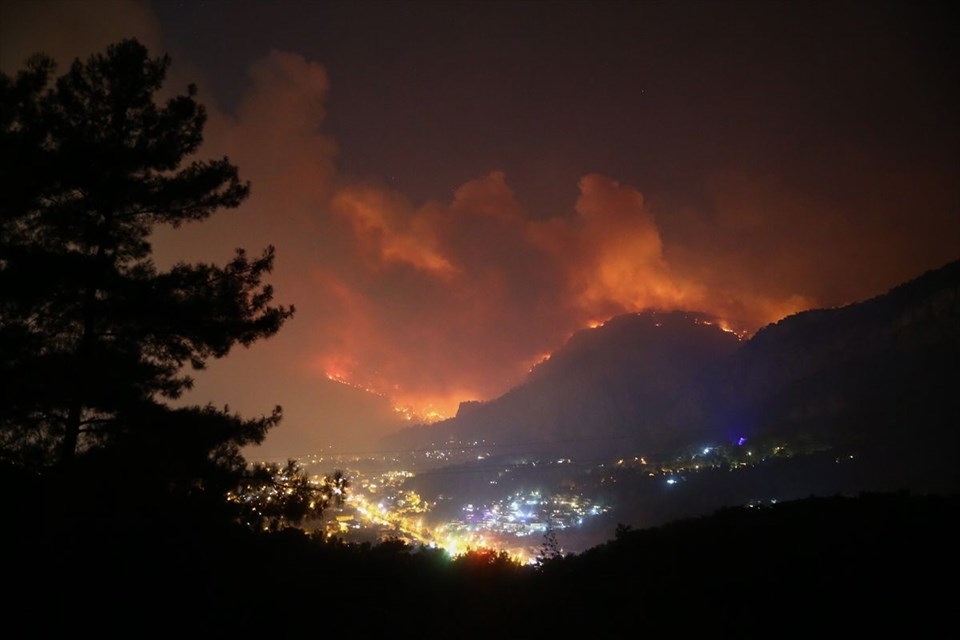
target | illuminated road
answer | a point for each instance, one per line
(380, 516)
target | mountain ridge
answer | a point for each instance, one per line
(656, 380)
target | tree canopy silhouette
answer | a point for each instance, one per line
(95, 340)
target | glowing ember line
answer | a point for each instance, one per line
(723, 325)
(340, 379)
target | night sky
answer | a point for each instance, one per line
(453, 188)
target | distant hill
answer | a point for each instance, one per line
(633, 382)
(885, 371)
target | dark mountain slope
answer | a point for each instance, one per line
(881, 375)
(631, 383)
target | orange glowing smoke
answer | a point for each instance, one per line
(457, 301)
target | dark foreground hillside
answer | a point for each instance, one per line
(819, 565)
